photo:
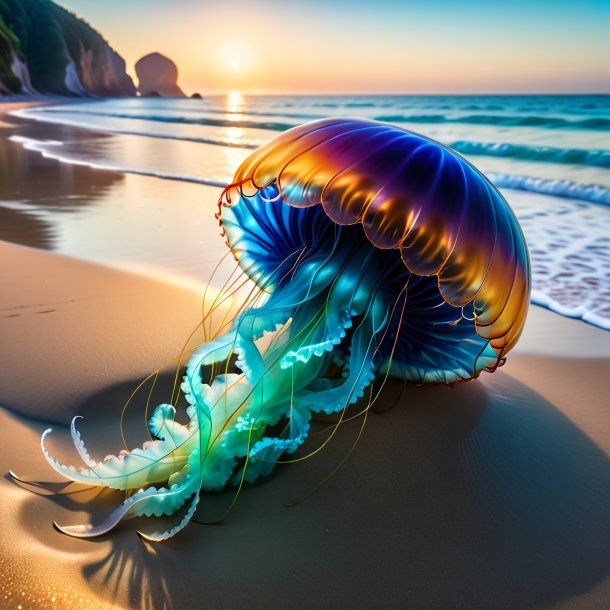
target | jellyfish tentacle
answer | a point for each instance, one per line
(228, 398)
(265, 453)
(154, 462)
(209, 353)
(161, 536)
(229, 417)
(231, 393)
(250, 326)
(244, 394)
(80, 445)
(192, 386)
(249, 359)
(151, 501)
(147, 502)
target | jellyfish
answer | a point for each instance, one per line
(377, 253)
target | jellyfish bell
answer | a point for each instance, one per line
(377, 252)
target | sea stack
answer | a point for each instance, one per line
(158, 76)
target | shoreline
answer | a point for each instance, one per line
(48, 213)
(571, 301)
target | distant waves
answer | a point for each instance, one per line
(548, 154)
(504, 120)
(523, 152)
(550, 122)
(591, 193)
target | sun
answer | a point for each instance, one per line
(235, 57)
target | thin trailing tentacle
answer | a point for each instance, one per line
(147, 502)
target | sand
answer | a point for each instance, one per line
(490, 494)
(493, 493)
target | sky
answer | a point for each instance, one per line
(378, 46)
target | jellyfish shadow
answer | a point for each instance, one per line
(482, 495)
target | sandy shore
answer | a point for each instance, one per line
(491, 494)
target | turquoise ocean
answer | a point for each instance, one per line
(548, 155)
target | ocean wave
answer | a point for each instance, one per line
(577, 156)
(45, 117)
(560, 188)
(178, 120)
(594, 123)
(202, 111)
(593, 193)
(581, 312)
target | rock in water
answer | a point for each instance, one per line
(158, 74)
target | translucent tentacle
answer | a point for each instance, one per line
(330, 311)
(161, 536)
(80, 445)
(156, 461)
(359, 375)
(148, 502)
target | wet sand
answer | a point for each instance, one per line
(490, 494)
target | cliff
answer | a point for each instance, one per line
(46, 49)
(158, 76)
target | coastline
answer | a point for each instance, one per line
(489, 494)
(96, 215)
(552, 201)
(8, 103)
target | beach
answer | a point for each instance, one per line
(488, 494)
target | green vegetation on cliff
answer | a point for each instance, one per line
(8, 44)
(47, 38)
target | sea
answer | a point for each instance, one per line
(548, 155)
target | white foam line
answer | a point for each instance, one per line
(39, 147)
(592, 193)
(39, 116)
(579, 313)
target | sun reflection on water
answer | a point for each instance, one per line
(235, 102)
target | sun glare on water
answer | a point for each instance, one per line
(235, 102)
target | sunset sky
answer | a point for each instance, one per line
(342, 46)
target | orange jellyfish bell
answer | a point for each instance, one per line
(416, 196)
